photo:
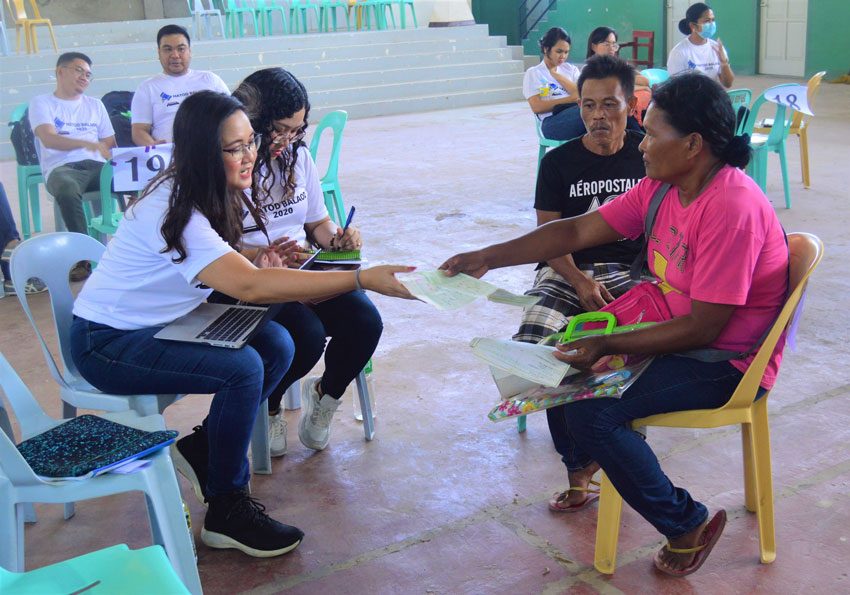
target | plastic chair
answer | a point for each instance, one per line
(773, 142)
(378, 11)
(335, 121)
(199, 10)
(740, 99)
(641, 39)
(328, 12)
(19, 485)
(4, 42)
(402, 20)
(297, 25)
(806, 251)
(115, 569)
(233, 12)
(800, 125)
(105, 224)
(29, 177)
(545, 145)
(49, 257)
(19, 14)
(655, 75)
(265, 10)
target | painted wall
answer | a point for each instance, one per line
(501, 15)
(827, 42)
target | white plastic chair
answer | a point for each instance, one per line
(20, 485)
(49, 257)
(200, 9)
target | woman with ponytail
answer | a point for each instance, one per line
(718, 253)
(700, 51)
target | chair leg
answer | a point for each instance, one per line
(750, 488)
(764, 482)
(260, 452)
(52, 37)
(35, 207)
(607, 527)
(540, 155)
(783, 165)
(23, 206)
(292, 397)
(11, 531)
(804, 157)
(521, 424)
(365, 406)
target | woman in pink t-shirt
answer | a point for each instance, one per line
(719, 254)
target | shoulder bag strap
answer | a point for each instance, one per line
(638, 264)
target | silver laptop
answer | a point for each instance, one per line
(221, 325)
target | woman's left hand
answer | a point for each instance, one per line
(349, 241)
(720, 51)
(582, 353)
(289, 251)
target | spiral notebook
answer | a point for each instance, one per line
(87, 446)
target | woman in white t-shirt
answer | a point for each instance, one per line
(550, 88)
(173, 247)
(699, 51)
(291, 205)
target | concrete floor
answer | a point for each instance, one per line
(443, 500)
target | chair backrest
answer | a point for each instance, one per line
(49, 257)
(31, 418)
(806, 251)
(35, 12)
(779, 130)
(18, 113)
(813, 87)
(741, 104)
(655, 75)
(336, 122)
(18, 11)
(641, 39)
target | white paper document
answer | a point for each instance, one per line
(451, 293)
(526, 360)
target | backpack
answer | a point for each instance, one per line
(123, 130)
(117, 102)
(23, 141)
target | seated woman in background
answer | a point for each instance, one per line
(175, 245)
(719, 254)
(700, 51)
(602, 41)
(550, 88)
(290, 201)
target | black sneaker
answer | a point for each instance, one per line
(191, 456)
(238, 521)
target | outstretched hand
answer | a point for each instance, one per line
(381, 279)
(470, 263)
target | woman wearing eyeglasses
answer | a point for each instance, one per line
(292, 214)
(700, 50)
(175, 245)
(602, 41)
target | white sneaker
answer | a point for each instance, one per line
(314, 427)
(277, 434)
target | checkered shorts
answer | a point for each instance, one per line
(560, 301)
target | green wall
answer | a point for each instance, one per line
(827, 42)
(501, 15)
(738, 28)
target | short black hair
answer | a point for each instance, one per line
(693, 102)
(173, 30)
(598, 35)
(553, 36)
(601, 67)
(69, 57)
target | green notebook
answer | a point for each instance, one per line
(329, 256)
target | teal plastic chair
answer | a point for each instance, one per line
(105, 224)
(19, 485)
(379, 8)
(328, 12)
(29, 178)
(545, 145)
(116, 569)
(773, 142)
(741, 104)
(234, 10)
(655, 75)
(402, 20)
(300, 8)
(335, 121)
(264, 10)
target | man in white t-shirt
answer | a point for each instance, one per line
(156, 100)
(74, 138)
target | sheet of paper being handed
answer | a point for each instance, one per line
(451, 293)
(536, 363)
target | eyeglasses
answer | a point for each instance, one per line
(238, 153)
(611, 44)
(281, 137)
(79, 70)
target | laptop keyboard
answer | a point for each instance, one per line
(231, 325)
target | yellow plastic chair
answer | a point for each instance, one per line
(800, 126)
(22, 21)
(806, 252)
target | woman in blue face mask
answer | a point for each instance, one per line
(700, 50)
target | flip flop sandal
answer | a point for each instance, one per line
(7, 254)
(709, 537)
(556, 504)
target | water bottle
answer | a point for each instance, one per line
(370, 384)
(189, 525)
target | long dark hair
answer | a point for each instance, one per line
(273, 94)
(196, 172)
(598, 35)
(693, 102)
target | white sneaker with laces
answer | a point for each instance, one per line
(277, 434)
(314, 427)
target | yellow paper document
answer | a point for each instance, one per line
(451, 293)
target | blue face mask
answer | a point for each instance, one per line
(708, 30)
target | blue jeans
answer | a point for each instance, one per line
(354, 326)
(567, 125)
(8, 231)
(600, 430)
(133, 362)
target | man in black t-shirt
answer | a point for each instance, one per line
(575, 178)
(578, 177)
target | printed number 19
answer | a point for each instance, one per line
(155, 164)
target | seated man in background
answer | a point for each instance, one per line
(74, 138)
(157, 99)
(575, 178)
